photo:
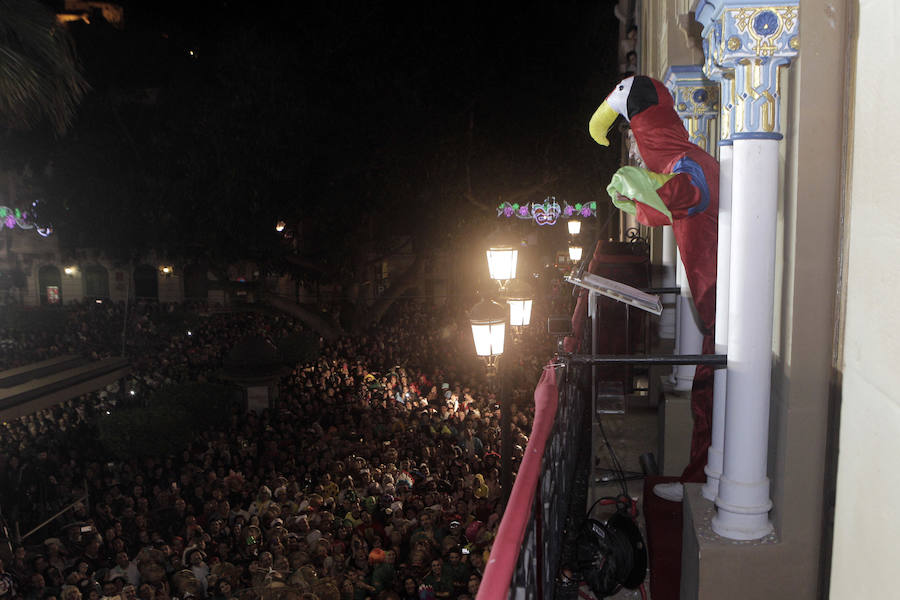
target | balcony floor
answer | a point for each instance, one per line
(630, 434)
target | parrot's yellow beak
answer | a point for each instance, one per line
(602, 120)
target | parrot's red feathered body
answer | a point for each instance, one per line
(691, 196)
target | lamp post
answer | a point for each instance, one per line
(488, 320)
(519, 298)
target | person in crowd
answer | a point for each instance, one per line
(438, 581)
(124, 568)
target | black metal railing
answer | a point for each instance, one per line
(557, 494)
(561, 497)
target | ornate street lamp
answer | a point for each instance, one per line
(519, 298)
(574, 253)
(502, 260)
(574, 226)
(488, 320)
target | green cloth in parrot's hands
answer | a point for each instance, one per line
(633, 184)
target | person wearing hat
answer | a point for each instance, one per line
(481, 488)
(384, 571)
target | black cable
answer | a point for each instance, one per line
(617, 466)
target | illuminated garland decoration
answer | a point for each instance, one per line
(12, 217)
(546, 212)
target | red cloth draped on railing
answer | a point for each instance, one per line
(505, 550)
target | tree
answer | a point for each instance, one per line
(39, 74)
(40, 83)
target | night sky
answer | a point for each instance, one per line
(201, 111)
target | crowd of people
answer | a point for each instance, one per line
(375, 475)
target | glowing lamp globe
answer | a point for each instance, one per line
(520, 312)
(574, 253)
(488, 320)
(279, 227)
(574, 226)
(520, 301)
(502, 261)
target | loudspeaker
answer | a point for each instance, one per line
(611, 555)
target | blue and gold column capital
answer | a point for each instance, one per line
(696, 102)
(725, 79)
(752, 40)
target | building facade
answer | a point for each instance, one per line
(804, 128)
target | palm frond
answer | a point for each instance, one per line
(40, 77)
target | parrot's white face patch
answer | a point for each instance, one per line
(618, 98)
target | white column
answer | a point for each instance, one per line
(752, 42)
(715, 457)
(743, 501)
(716, 454)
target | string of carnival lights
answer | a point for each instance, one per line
(14, 217)
(547, 212)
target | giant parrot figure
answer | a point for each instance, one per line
(680, 187)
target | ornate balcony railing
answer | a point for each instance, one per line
(548, 495)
